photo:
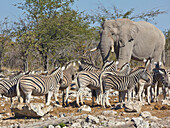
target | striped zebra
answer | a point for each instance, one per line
(160, 79)
(68, 77)
(84, 66)
(8, 87)
(145, 87)
(123, 71)
(121, 83)
(90, 79)
(38, 85)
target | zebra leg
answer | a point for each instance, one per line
(56, 94)
(98, 96)
(107, 99)
(79, 95)
(141, 88)
(103, 100)
(28, 97)
(120, 96)
(93, 95)
(63, 98)
(156, 92)
(129, 95)
(50, 93)
(67, 94)
(164, 91)
(123, 95)
(148, 94)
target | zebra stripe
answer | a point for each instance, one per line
(84, 66)
(68, 76)
(8, 87)
(90, 79)
(160, 79)
(38, 85)
(122, 83)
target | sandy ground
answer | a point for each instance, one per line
(8, 118)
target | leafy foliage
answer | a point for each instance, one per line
(51, 33)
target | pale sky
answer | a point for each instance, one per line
(163, 21)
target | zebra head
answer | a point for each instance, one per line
(144, 75)
(164, 77)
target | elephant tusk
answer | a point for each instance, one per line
(94, 49)
(112, 49)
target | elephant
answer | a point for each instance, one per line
(131, 40)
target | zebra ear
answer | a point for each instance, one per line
(161, 72)
(146, 62)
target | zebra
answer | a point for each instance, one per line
(160, 79)
(85, 66)
(123, 71)
(65, 83)
(121, 83)
(38, 85)
(8, 87)
(142, 86)
(90, 78)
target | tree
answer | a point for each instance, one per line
(113, 12)
(5, 30)
(167, 47)
(55, 30)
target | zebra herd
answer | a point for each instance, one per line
(100, 81)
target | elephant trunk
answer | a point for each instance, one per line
(125, 54)
(105, 46)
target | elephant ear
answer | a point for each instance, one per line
(132, 32)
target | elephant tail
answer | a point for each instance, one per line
(163, 57)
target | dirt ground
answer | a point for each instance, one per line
(8, 118)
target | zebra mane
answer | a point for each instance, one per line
(136, 69)
(53, 71)
(124, 66)
(109, 65)
(15, 75)
(87, 66)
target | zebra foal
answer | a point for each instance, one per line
(121, 83)
(38, 85)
